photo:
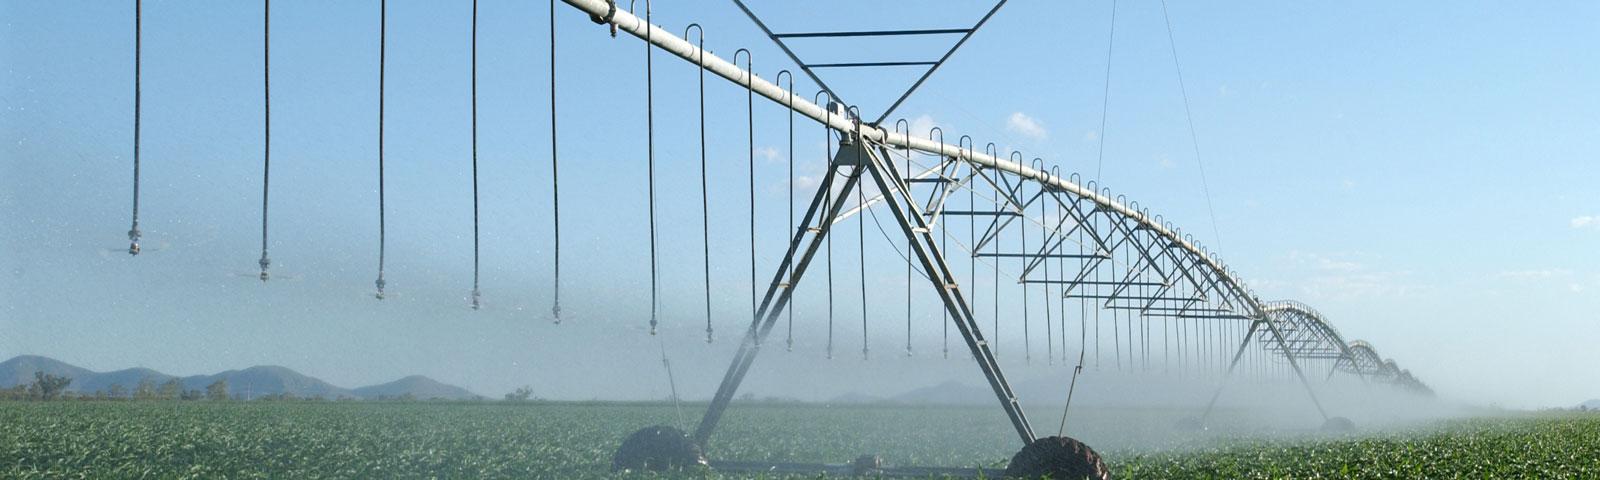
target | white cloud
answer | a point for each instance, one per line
(1324, 263)
(1340, 278)
(923, 124)
(1022, 123)
(1535, 274)
(768, 153)
(1585, 221)
(807, 182)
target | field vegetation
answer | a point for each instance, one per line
(174, 439)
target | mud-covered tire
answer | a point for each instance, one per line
(867, 465)
(658, 448)
(1338, 425)
(1059, 458)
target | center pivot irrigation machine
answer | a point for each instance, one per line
(1109, 255)
(1073, 244)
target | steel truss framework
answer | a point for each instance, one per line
(1079, 245)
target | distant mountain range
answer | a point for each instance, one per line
(251, 382)
(1593, 404)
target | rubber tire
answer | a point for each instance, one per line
(867, 465)
(1338, 425)
(1060, 458)
(659, 448)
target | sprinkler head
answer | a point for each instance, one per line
(477, 299)
(380, 283)
(265, 263)
(555, 312)
(133, 239)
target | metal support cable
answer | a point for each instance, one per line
(476, 302)
(266, 144)
(1105, 98)
(138, 61)
(555, 173)
(650, 160)
(1194, 139)
(383, 44)
(1083, 348)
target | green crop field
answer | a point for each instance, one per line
(489, 440)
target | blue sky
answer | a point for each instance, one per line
(1423, 173)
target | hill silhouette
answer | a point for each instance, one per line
(254, 382)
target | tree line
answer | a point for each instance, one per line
(47, 387)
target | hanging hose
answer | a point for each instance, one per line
(788, 343)
(1096, 289)
(1044, 241)
(476, 295)
(996, 265)
(905, 185)
(650, 160)
(266, 145)
(383, 44)
(750, 134)
(1027, 343)
(826, 219)
(138, 60)
(705, 199)
(972, 239)
(1061, 266)
(945, 324)
(861, 256)
(555, 173)
(1116, 320)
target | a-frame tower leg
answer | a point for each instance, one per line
(781, 290)
(861, 160)
(1287, 354)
